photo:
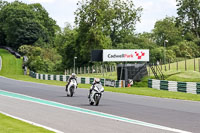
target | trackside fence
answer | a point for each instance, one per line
(92, 69)
(82, 80)
(187, 87)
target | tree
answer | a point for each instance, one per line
(103, 24)
(166, 29)
(48, 24)
(2, 3)
(189, 15)
(65, 43)
(41, 59)
(2, 35)
(187, 49)
(90, 18)
(25, 24)
(123, 20)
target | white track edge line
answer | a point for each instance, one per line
(32, 123)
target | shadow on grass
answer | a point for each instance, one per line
(172, 74)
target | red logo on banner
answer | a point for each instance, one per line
(139, 55)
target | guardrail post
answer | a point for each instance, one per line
(185, 65)
(199, 65)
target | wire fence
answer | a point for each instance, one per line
(92, 69)
(178, 66)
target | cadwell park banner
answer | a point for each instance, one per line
(128, 55)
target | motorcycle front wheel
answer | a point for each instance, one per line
(91, 103)
(71, 91)
(97, 100)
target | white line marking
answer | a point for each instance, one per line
(32, 123)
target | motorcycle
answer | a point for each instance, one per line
(96, 94)
(71, 88)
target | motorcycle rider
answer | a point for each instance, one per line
(96, 81)
(73, 76)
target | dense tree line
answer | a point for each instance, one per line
(99, 24)
(21, 23)
(29, 28)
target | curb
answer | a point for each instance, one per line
(175, 86)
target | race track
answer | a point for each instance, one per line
(176, 114)
(0, 63)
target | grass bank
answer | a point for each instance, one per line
(11, 65)
(177, 72)
(12, 68)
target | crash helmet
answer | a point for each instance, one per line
(97, 80)
(73, 75)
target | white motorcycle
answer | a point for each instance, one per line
(71, 88)
(96, 94)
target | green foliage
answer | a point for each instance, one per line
(166, 30)
(49, 25)
(187, 49)
(170, 55)
(156, 54)
(10, 64)
(98, 30)
(43, 60)
(178, 44)
(124, 16)
(21, 23)
(189, 16)
(65, 43)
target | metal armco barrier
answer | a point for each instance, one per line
(82, 80)
(187, 87)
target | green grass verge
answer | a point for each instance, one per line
(12, 68)
(11, 65)
(11, 125)
(190, 63)
(187, 76)
(181, 74)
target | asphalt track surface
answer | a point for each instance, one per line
(176, 114)
(0, 63)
